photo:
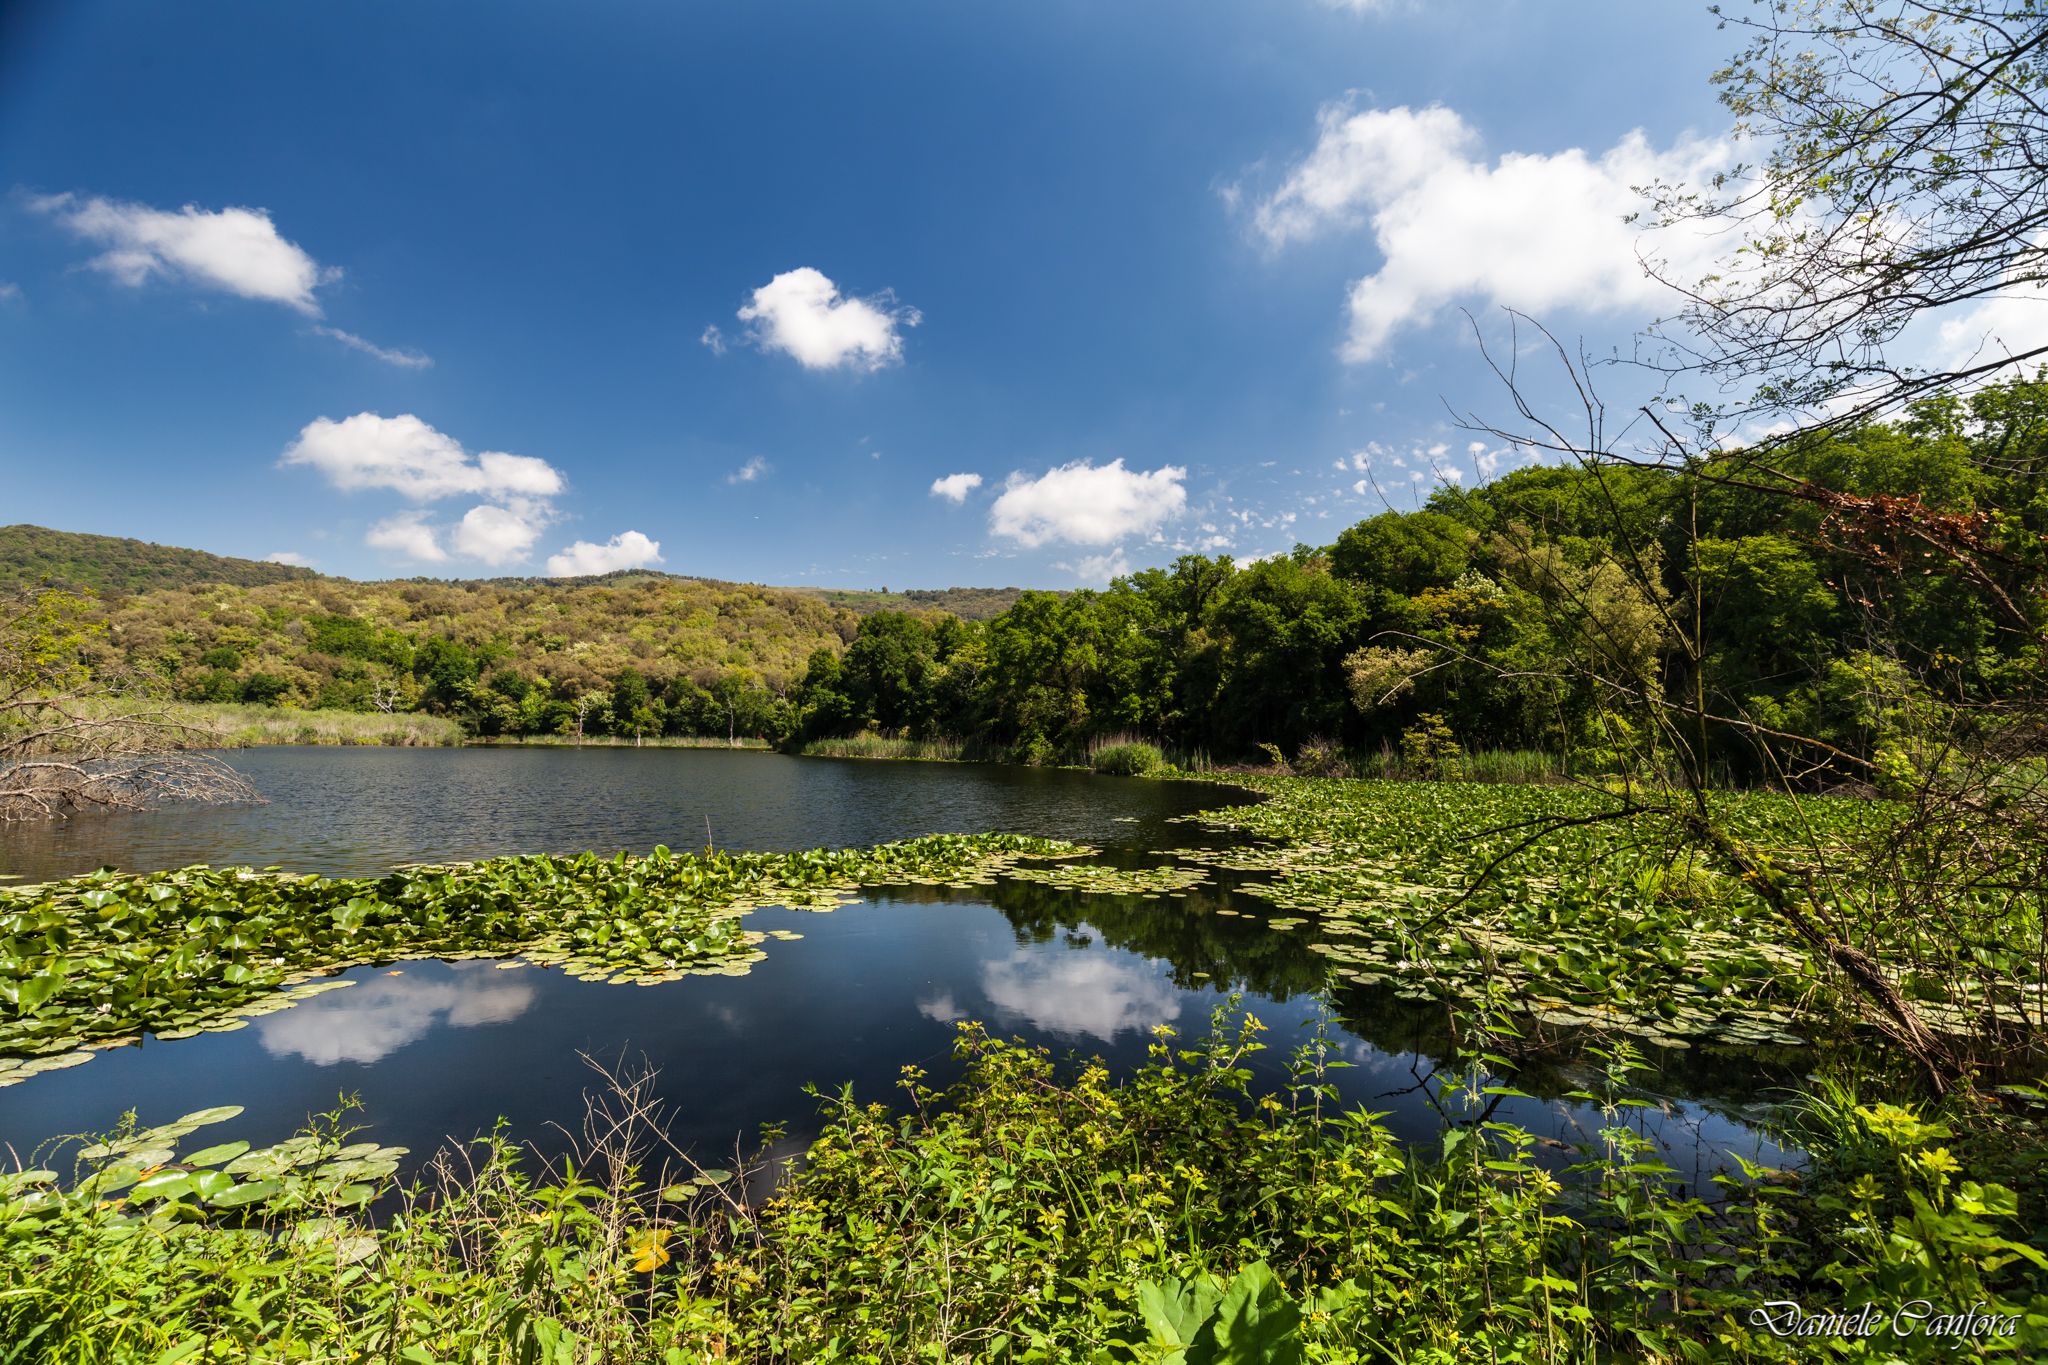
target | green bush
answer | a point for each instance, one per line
(1128, 760)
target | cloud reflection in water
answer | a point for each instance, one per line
(383, 1013)
(1095, 994)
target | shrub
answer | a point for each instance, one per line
(1128, 760)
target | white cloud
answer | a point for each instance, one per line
(1087, 504)
(500, 535)
(955, 487)
(291, 557)
(750, 471)
(406, 456)
(10, 292)
(626, 550)
(2006, 324)
(407, 534)
(237, 250)
(405, 359)
(1099, 568)
(410, 457)
(1532, 232)
(802, 314)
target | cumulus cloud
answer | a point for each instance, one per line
(410, 457)
(955, 487)
(626, 550)
(499, 535)
(404, 359)
(750, 471)
(802, 314)
(407, 535)
(1099, 568)
(238, 250)
(1087, 504)
(407, 456)
(2010, 323)
(1533, 232)
(291, 557)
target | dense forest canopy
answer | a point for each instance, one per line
(35, 555)
(1808, 600)
(1493, 617)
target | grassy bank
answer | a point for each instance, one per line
(228, 725)
(618, 742)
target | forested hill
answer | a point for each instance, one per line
(1857, 584)
(111, 564)
(510, 655)
(116, 566)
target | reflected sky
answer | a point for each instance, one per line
(376, 1017)
(436, 1051)
(1079, 993)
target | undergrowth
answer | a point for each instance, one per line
(1030, 1212)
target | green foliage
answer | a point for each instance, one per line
(1029, 1213)
(1510, 615)
(33, 555)
(1527, 898)
(1128, 760)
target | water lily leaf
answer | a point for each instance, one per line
(163, 1185)
(220, 1113)
(248, 1193)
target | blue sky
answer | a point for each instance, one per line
(905, 294)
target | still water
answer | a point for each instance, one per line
(437, 1051)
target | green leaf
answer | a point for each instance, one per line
(1176, 1312)
(220, 1113)
(247, 1193)
(162, 1185)
(215, 1155)
(1256, 1324)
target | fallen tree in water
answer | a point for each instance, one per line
(64, 750)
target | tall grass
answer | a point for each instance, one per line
(624, 742)
(229, 725)
(1481, 765)
(885, 746)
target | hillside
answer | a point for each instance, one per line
(112, 564)
(510, 655)
(330, 642)
(969, 604)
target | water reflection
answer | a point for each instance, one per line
(442, 1051)
(375, 1018)
(359, 811)
(1079, 994)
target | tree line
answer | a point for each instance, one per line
(1520, 614)
(1506, 616)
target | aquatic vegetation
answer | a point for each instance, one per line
(1466, 892)
(1031, 1212)
(1103, 879)
(95, 961)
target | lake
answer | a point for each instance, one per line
(434, 1050)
